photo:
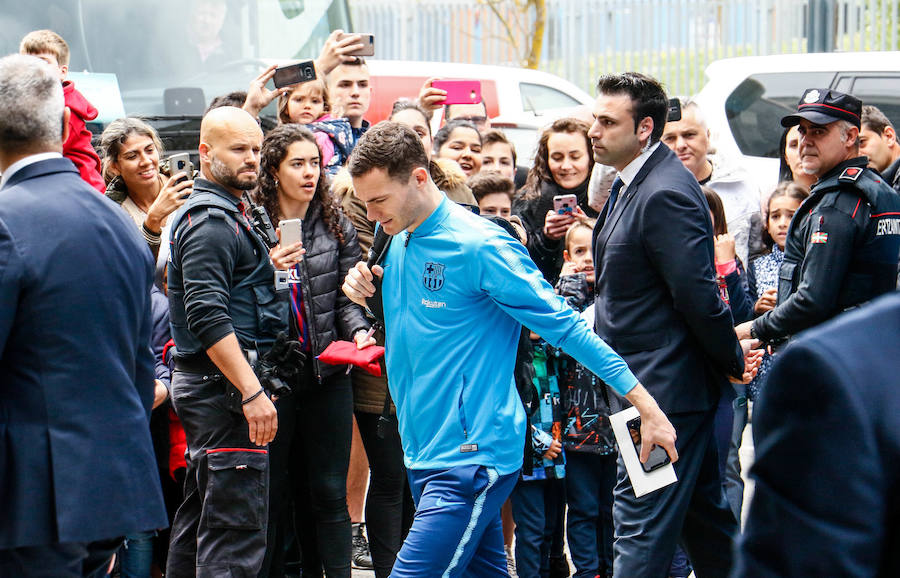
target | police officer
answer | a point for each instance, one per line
(843, 243)
(224, 306)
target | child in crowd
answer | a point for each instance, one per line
(587, 437)
(51, 48)
(308, 104)
(494, 193)
(763, 274)
(729, 269)
(498, 153)
(536, 499)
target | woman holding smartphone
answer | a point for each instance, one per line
(562, 168)
(131, 168)
(311, 453)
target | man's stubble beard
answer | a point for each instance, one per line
(220, 173)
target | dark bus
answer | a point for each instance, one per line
(164, 60)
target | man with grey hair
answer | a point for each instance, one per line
(689, 140)
(844, 241)
(77, 468)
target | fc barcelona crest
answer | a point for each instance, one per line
(433, 277)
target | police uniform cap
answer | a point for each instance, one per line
(824, 106)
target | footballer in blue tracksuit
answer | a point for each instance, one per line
(456, 289)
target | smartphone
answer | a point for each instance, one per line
(294, 73)
(181, 163)
(291, 231)
(563, 204)
(460, 91)
(368, 42)
(673, 113)
(658, 456)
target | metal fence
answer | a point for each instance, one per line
(672, 40)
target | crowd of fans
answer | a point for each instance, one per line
(565, 495)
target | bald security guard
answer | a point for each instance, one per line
(223, 303)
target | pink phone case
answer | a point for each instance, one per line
(563, 204)
(460, 91)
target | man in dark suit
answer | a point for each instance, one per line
(827, 444)
(658, 306)
(77, 470)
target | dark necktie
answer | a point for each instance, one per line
(614, 194)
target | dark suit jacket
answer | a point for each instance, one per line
(76, 371)
(827, 438)
(657, 302)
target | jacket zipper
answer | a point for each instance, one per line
(403, 304)
(307, 308)
(461, 410)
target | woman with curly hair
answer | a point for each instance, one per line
(311, 453)
(562, 166)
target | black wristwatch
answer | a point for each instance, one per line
(753, 331)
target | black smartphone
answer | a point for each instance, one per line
(658, 456)
(673, 114)
(294, 73)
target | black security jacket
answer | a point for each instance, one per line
(835, 255)
(220, 277)
(329, 314)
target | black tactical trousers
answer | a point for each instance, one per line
(220, 528)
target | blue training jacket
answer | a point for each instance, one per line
(455, 293)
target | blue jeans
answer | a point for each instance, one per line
(136, 555)
(590, 479)
(732, 481)
(456, 530)
(535, 506)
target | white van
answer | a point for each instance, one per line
(745, 98)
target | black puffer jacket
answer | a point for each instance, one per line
(329, 314)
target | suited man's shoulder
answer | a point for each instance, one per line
(53, 188)
(857, 342)
(663, 173)
(845, 358)
(825, 426)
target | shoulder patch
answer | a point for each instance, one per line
(851, 174)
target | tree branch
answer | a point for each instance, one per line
(492, 6)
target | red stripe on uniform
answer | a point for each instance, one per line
(858, 201)
(883, 214)
(831, 107)
(220, 450)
